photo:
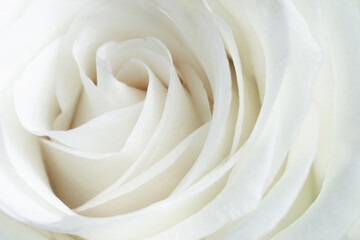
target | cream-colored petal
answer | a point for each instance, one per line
(154, 184)
(277, 202)
(217, 70)
(62, 162)
(119, 93)
(78, 178)
(247, 41)
(354, 231)
(146, 20)
(105, 133)
(150, 50)
(26, 201)
(244, 188)
(34, 93)
(337, 206)
(323, 90)
(24, 154)
(150, 116)
(197, 91)
(10, 229)
(179, 114)
(10, 11)
(33, 26)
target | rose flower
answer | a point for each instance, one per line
(179, 119)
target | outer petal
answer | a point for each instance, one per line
(33, 25)
(338, 204)
(11, 229)
(11, 10)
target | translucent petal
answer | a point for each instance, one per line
(337, 205)
(10, 229)
(154, 184)
(277, 202)
(34, 93)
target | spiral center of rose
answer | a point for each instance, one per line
(122, 103)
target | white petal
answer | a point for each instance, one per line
(75, 178)
(20, 201)
(337, 205)
(177, 108)
(244, 189)
(217, 70)
(33, 26)
(105, 133)
(276, 203)
(34, 95)
(11, 10)
(144, 19)
(10, 229)
(197, 91)
(154, 184)
(323, 90)
(354, 231)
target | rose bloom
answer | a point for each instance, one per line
(180, 119)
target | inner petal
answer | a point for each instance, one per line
(178, 120)
(106, 133)
(118, 73)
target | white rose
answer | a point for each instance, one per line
(164, 119)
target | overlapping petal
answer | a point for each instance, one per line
(180, 120)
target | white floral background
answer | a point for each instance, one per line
(179, 119)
